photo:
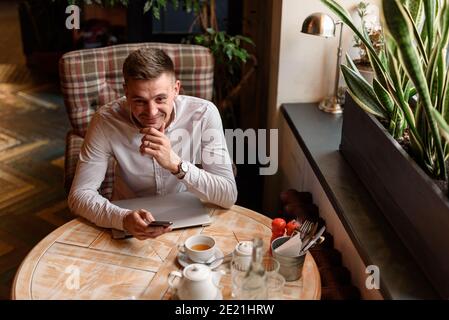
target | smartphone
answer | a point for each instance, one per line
(157, 223)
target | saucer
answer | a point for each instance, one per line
(184, 260)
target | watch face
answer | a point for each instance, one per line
(184, 167)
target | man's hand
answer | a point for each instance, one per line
(136, 222)
(156, 144)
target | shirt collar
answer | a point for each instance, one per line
(174, 112)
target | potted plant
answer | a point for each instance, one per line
(369, 22)
(390, 134)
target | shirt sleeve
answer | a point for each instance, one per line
(215, 182)
(84, 198)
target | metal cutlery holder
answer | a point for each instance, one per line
(290, 267)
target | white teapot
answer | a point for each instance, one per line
(198, 282)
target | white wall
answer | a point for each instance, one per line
(307, 66)
(306, 73)
(307, 63)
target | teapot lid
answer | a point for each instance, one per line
(196, 272)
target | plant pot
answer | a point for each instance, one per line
(410, 200)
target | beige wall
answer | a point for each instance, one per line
(303, 70)
(307, 63)
(306, 67)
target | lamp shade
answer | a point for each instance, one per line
(319, 24)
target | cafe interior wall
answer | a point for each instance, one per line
(303, 70)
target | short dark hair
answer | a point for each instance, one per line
(147, 64)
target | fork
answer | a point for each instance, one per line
(305, 228)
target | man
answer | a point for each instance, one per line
(141, 132)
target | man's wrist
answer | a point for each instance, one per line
(124, 218)
(183, 167)
(175, 167)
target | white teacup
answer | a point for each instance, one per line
(199, 248)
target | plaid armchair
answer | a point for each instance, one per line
(93, 77)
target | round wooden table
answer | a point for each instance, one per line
(81, 261)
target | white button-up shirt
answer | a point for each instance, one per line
(196, 135)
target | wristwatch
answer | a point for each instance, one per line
(183, 167)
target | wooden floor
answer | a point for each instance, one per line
(33, 124)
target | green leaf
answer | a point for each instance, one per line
(221, 36)
(401, 30)
(429, 9)
(444, 99)
(199, 39)
(397, 92)
(442, 125)
(363, 93)
(351, 64)
(241, 54)
(245, 39)
(417, 35)
(156, 12)
(383, 96)
(148, 5)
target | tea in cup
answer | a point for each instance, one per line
(199, 248)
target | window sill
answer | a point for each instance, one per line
(318, 135)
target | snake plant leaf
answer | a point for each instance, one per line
(417, 35)
(379, 68)
(440, 81)
(442, 125)
(351, 64)
(442, 65)
(383, 96)
(429, 9)
(414, 7)
(398, 94)
(383, 59)
(362, 92)
(445, 98)
(401, 30)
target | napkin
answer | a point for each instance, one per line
(291, 247)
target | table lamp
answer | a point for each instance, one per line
(320, 24)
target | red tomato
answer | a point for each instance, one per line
(292, 226)
(278, 225)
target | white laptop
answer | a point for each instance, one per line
(184, 209)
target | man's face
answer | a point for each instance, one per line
(152, 101)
